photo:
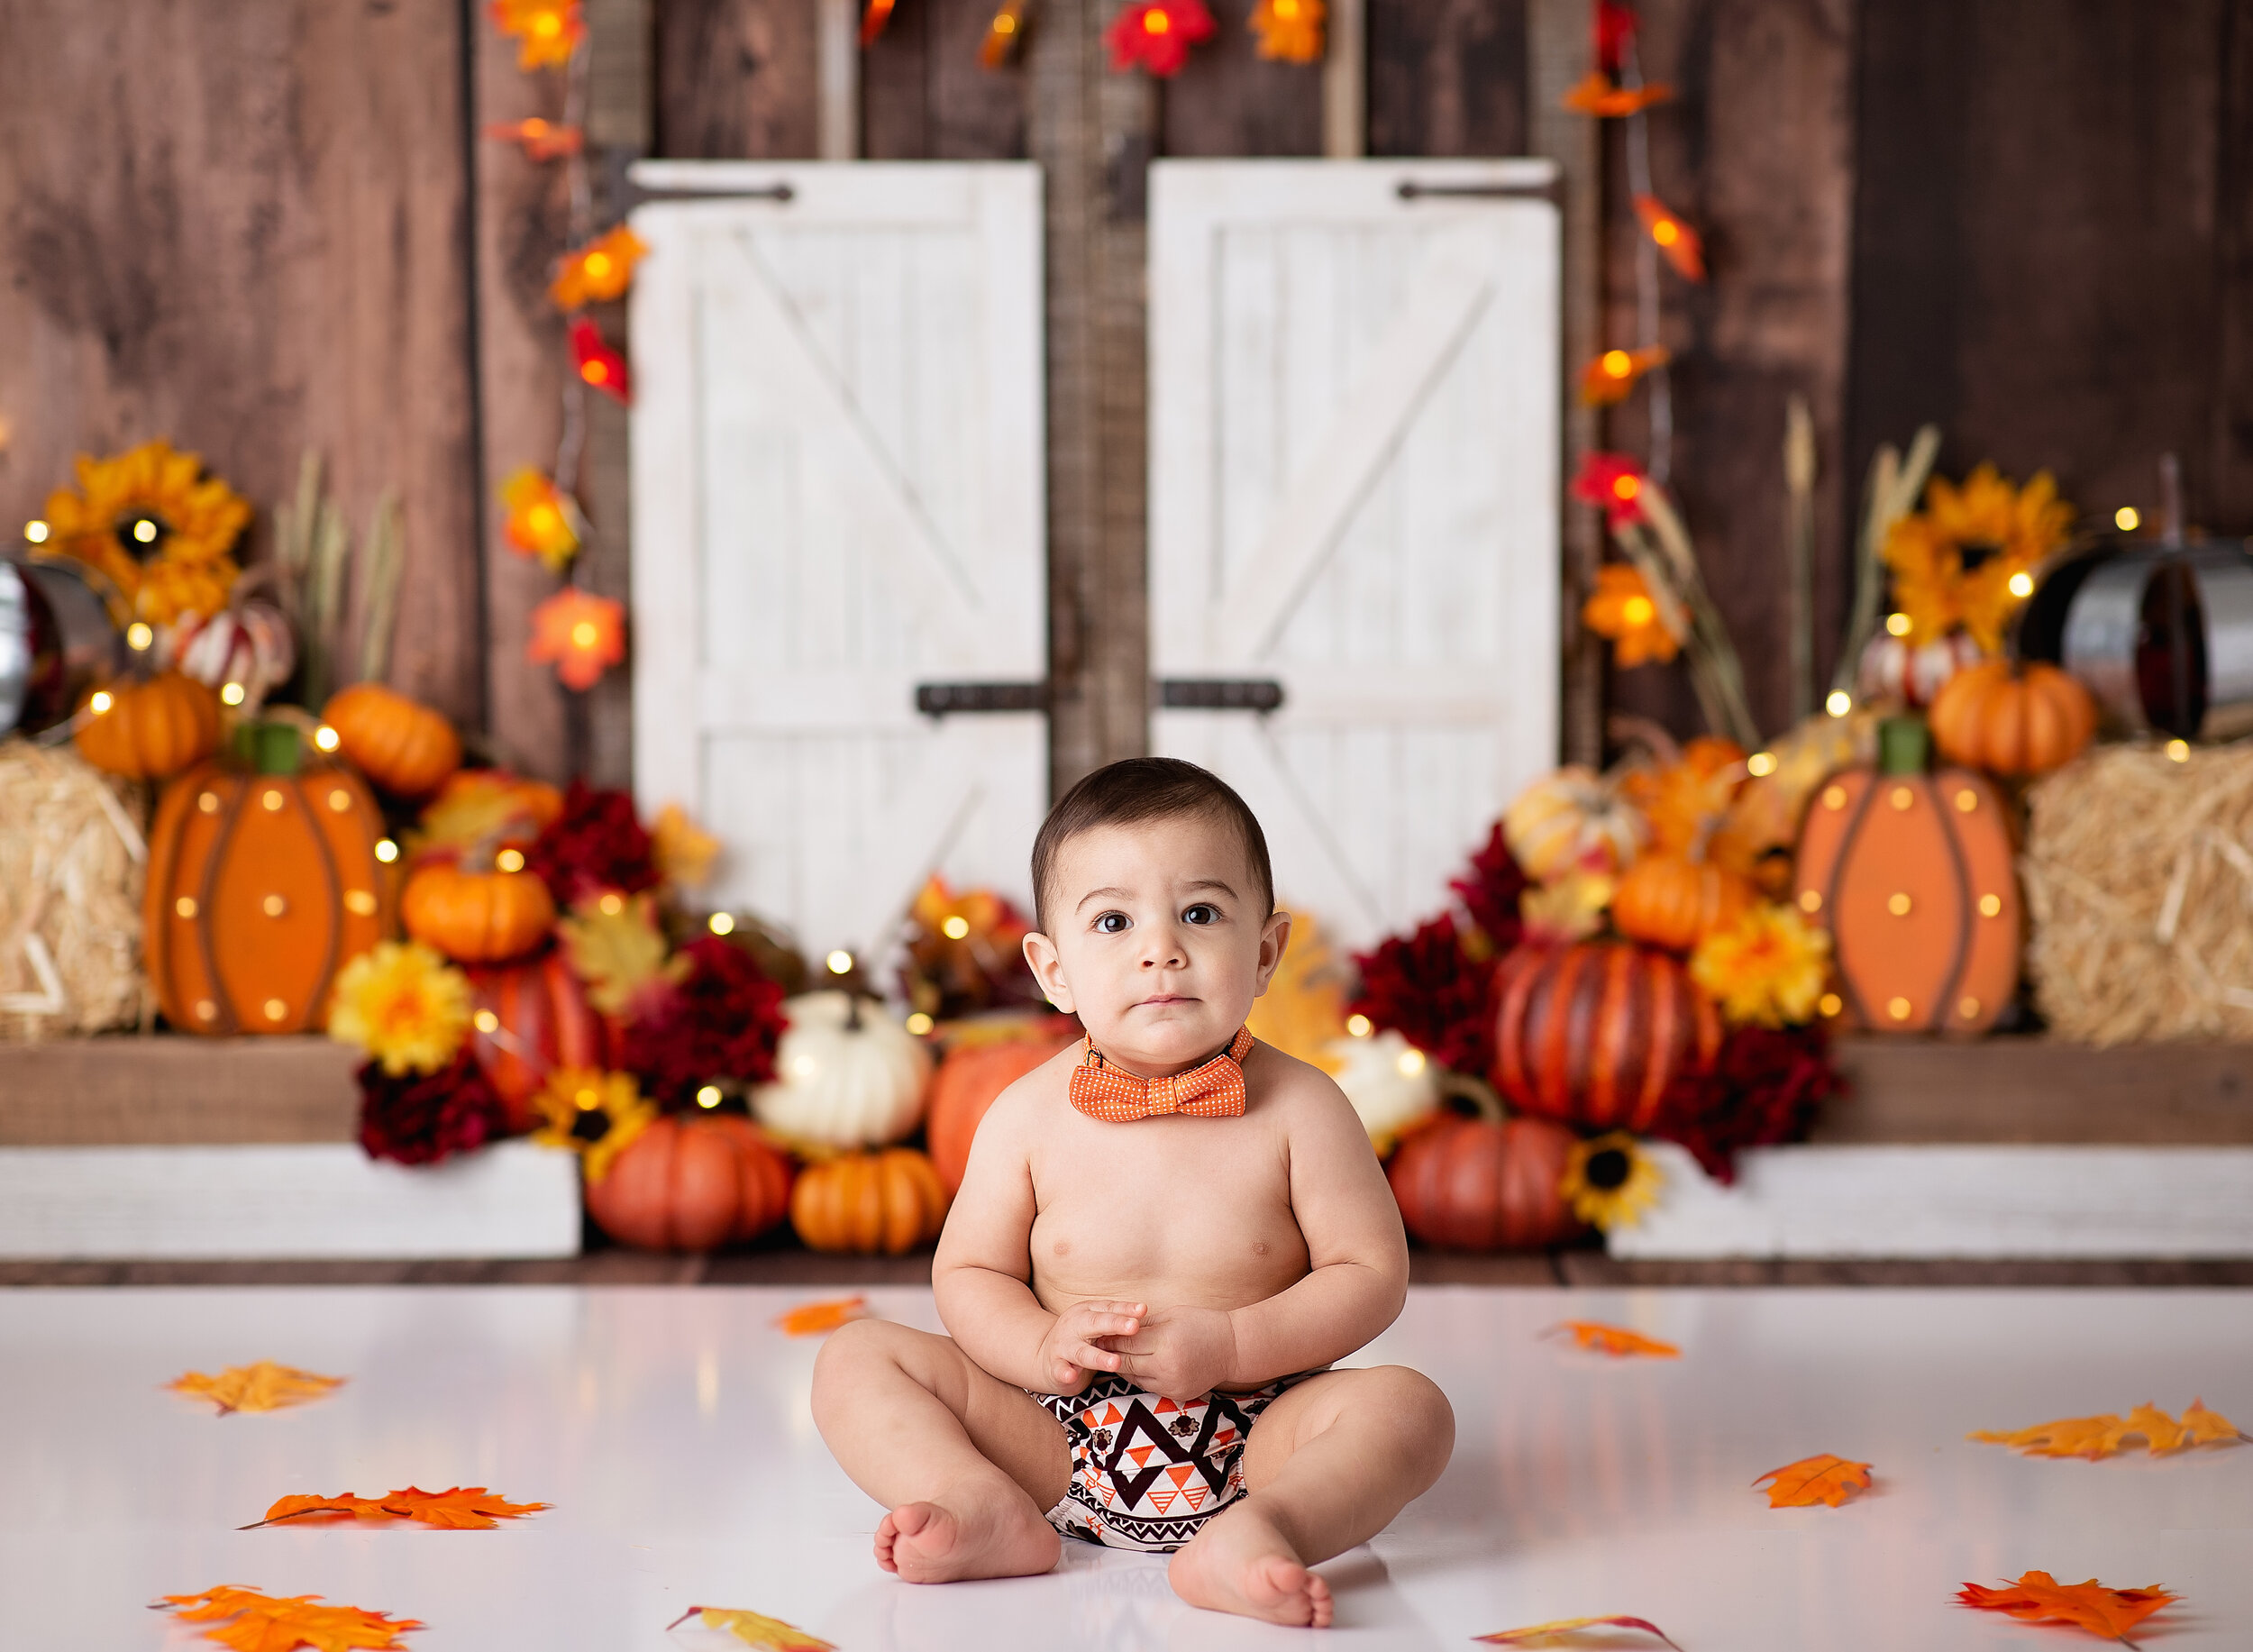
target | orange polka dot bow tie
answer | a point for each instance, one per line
(1213, 1089)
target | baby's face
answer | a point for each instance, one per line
(1157, 940)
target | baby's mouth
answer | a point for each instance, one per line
(1166, 998)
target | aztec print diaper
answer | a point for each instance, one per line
(1147, 1471)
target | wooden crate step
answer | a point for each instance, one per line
(163, 1089)
(2035, 1089)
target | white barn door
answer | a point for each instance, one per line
(1354, 431)
(838, 497)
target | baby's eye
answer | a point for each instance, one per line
(1112, 923)
(1203, 912)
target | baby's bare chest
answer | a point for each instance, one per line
(1173, 1211)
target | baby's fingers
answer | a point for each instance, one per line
(1084, 1353)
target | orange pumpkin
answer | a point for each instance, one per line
(692, 1184)
(1593, 1033)
(400, 744)
(145, 731)
(1476, 1185)
(540, 1021)
(865, 1202)
(967, 1083)
(478, 917)
(1673, 901)
(1912, 874)
(2012, 719)
(262, 883)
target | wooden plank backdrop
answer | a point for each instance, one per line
(2028, 220)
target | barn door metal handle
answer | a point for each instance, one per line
(1411, 190)
(1260, 694)
(783, 194)
(939, 699)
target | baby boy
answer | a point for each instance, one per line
(1166, 1238)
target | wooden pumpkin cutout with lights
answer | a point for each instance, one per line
(267, 872)
(1912, 873)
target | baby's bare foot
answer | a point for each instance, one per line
(1240, 1562)
(931, 1543)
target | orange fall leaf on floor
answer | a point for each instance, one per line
(1566, 1626)
(1615, 1340)
(263, 1387)
(762, 1633)
(249, 1621)
(2107, 1436)
(814, 1319)
(461, 1508)
(2038, 1598)
(1810, 1480)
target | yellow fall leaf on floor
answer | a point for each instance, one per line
(814, 1319)
(249, 1621)
(1826, 1479)
(263, 1387)
(1613, 1339)
(2107, 1436)
(1566, 1626)
(762, 1634)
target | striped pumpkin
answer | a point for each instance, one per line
(1594, 1034)
(1480, 1185)
(540, 1021)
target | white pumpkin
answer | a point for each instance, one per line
(846, 1075)
(1390, 1082)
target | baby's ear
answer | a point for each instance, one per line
(1274, 939)
(1048, 969)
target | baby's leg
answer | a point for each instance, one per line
(1329, 1466)
(966, 1464)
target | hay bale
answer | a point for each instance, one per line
(73, 855)
(2139, 875)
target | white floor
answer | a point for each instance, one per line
(670, 1428)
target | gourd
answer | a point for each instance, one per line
(846, 1075)
(968, 1081)
(1483, 1184)
(888, 1203)
(540, 1021)
(1593, 1033)
(692, 1184)
(264, 882)
(1893, 669)
(145, 731)
(1572, 818)
(247, 644)
(1674, 901)
(1913, 875)
(478, 917)
(1391, 1084)
(400, 744)
(2012, 719)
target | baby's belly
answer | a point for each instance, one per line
(1222, 1258)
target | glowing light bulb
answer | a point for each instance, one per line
(1156, 22)
(233, 694)
(510, 860)
(2022, 583)
(721, 923)
(2127, 519)
(326, 738)
(920, 1024)
(956, 927)
(138, 636)
(2178, 751)
(1839, 703)
(1358, 1026)
(1897, 624)
(35, 531)
(387, 851)
(612, 903)
(547, 22)
(599, 264)
(1617, 363)
(583, 635)
(486, 1022)
(1637, 611)
(1625, 487)
(101, 702)
(145, 532)
(708, 1096)
(1760, 764)
(840, 961)
(1666, 231)
(588, 1100)
(544, 518)
(1003, 23)
(804, 1067)
(1411, 1063)
(1286, 10)
(1830, 1003)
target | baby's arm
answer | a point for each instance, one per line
(982, 1272)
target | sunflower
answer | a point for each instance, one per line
(592, 1113)
(1620, 609)
(156, 526)
(403, 1003)
(1609, 1181)
(1968, 558)
(1768, 967)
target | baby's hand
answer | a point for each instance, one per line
(1182, 1352)
(1069, 1351)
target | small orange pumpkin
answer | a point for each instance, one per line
(969, 1080)
(692, 1184)
(1673, 901)
(145, 731)
(400, 744)
(1479, 1184)
(2012, 719)
(866, 1202)
(478, 917)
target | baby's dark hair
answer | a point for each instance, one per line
(1140, 788)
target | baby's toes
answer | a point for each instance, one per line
(887, 1535)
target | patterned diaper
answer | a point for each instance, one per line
(1147, 1472)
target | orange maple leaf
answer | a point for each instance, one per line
(462, 1508)
(1597, 96)
(263, 1387)
(814, 1319)
(754, 1629)
(2038, 1598)
(1810, 1480)
(1566, 1626)
(1614, 1340)
(249, 1621)
(2107, 1436)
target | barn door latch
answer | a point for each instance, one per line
(1260, 694)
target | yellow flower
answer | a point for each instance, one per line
(1769, 966)
(1289, 30)
(547, 32)
(592, 1113)
(403, 1003)
(1954, 562)
(683, 851)
(543, 520)
(1609, 1182)
(1572, 908)
(599, 271)
(1621, 609)
(154, 524)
